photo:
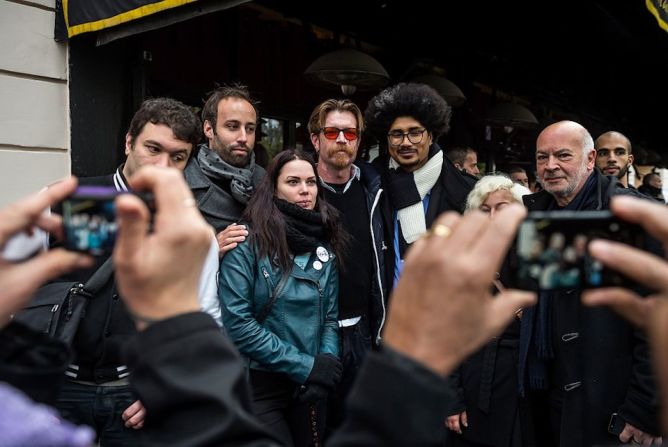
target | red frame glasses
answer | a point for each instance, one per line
(332, 133)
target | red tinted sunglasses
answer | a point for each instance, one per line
(332, 133)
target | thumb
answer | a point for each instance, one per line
(133, 218)
(504, 306)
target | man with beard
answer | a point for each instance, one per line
(613, 155)
(222, 175)
(354, 189)
(580, 366)
(420, 182)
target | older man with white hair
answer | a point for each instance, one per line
(587, 374)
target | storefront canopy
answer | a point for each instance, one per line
(83, 16)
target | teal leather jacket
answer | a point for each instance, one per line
(302, 322)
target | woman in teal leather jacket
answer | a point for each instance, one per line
(278, 291)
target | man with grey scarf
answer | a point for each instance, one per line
(420, 182)
(222, 175)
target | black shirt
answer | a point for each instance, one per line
(355, 274)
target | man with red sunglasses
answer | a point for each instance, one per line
(353, 187)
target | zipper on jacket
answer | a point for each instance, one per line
(378, 278)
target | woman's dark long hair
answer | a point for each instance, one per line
(267, 222)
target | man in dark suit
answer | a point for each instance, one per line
(222, 174)
(578, 365)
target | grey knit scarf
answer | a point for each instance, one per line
(241, 185)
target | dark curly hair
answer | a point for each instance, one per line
(408, 99)
(170, 112)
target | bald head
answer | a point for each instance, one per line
(613, 155)
(564, 159)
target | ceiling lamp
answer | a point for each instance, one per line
(447, 89)
(509, 114)
(348, 69)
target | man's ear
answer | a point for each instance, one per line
(208, 129)
(591, 159)
(128, 143)
(631, 159)
(315, 141)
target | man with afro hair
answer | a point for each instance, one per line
(421, 183)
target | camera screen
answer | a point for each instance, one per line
(552, 250)
(89, 217)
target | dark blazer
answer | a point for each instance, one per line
(215, 202)
(602, 362)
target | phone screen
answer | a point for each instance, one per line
(552, 249)
(89, 217)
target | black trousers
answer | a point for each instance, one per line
(354, 344)
(297, 424)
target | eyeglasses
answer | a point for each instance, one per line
(414, 136)
(332, 133)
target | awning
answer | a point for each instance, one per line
(659, 9)
(83, 16)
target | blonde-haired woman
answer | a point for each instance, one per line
(487, 407)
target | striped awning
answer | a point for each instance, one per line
(84, 16)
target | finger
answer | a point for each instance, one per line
(137, 418)
(465, 419)
(467, 232)
(455, 424)
(132, 409)
(433, 244)
(652, 216)
(225, 248)
(133, 221)
(139, 425)
(644, 267)
(492, 244)
(22, 214)
(51, 223)
(625, 302)
(503, 307)
(170, 191)
(626, 434)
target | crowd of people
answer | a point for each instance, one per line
(335, 301)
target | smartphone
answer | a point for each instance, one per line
(89, 218)
(552, 250)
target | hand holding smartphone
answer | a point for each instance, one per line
(89, 219)
(552, 249)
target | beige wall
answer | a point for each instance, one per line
(34, 106)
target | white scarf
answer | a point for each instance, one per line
(412, 218)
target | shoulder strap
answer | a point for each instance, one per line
(100, 277)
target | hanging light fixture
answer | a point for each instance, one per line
(511, 115)
(348, 69)
(446, 88)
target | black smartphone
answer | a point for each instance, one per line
(552, 250)
(89, 218)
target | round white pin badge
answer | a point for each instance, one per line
(317, 265)
(322, 254)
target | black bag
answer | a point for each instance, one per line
(57, 308)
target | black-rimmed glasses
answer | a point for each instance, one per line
(414, 136)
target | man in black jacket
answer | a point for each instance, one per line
(163, 133)
(420, 183)
(353, 188)
(580, 366)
